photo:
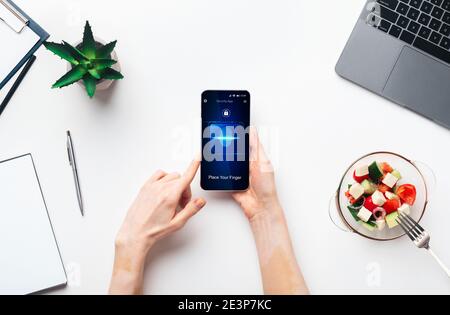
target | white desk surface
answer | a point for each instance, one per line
(313, 122)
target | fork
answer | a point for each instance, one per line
(419, 236)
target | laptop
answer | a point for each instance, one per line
(400, 49)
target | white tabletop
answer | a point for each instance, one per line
(313, 124)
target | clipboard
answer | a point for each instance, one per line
(17, 20)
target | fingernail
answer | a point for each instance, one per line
(200, 202)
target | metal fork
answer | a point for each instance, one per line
(419, 236)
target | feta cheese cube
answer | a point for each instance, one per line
(405, 209)
(362, 171)
(356, 191)
(364, 214)
(390, 180)
(381, 224)
(378, 198)
(391, 196)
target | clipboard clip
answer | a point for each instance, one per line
(12, 17)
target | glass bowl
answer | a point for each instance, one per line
(411, 174)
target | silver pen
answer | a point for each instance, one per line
(73, 164)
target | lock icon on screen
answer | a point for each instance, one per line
(226, 113)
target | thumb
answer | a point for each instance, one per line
(191, 209)
(239, 197)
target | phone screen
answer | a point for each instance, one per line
(225, 140)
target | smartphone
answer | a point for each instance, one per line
(225, 162)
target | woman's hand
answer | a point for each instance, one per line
(279, 268)
(261, 196)
(152, 217)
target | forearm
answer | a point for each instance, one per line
(128, 271)
(279, 268)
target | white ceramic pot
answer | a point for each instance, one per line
(102, 84)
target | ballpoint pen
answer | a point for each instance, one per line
(73, 164)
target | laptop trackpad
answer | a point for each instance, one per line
(422, 84)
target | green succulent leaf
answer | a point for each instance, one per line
(95, 73)
(74, 75)
(106, 51)
(77, 54)
(89, 47)
(91, 85)
(111, 74)
(101, 64)
(62, 51)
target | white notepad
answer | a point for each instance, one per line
(29, 256)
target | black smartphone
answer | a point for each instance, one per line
(225, 162)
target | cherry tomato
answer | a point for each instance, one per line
(369, 205)
(359, 179)
(386, 168)
(383, 188)
(391, 206)
(407, 194)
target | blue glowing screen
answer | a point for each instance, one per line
(225, 140)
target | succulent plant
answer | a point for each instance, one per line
(90, 62)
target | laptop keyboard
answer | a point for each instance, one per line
(424, 24)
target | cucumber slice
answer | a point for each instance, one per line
(397, 174)
(394, 190)
(391, 220)
(369, 187)
(354, 213)
(391, 196)
(369, 226)
(375, 172)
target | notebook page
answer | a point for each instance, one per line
(29, 259)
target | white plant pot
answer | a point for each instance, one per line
(102, 84)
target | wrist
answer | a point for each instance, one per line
(272, 214)
(270, 230)
(130, 256)
(264, 209)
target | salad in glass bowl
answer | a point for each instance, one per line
(375, 189)
(376, 197)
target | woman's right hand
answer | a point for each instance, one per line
(154, 215)
(261, 197)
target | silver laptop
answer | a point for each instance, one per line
(400, 49)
